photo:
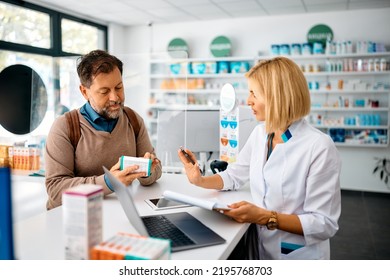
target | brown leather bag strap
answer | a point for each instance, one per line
(72, 118)
(133, 121)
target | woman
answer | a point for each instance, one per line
(293, 169)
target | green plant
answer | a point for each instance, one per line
(383, 167)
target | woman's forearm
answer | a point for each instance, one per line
(211, 182)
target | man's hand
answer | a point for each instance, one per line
(127, 175)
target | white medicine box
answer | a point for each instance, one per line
(82, 220)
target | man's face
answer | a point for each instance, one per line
(106, 94)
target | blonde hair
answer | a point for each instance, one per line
(285, 90)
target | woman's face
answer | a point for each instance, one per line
(106, 94)
(256, 100)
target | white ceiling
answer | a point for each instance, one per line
(144, 12)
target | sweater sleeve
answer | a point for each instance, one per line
(59, 165)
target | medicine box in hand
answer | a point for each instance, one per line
(145, 164)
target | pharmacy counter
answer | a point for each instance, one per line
(41, 237)
(29, 195)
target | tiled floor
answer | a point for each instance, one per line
(364, 232)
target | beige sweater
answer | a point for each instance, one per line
(66, 168)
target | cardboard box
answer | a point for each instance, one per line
(126, 246)
(82, 219)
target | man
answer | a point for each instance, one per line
(107, 132)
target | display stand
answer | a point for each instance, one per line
(236, 124)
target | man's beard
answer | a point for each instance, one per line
(110, 115)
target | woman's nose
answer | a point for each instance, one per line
(248, 101)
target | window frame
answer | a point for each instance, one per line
(55, 29)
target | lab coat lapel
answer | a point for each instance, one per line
(273, 173)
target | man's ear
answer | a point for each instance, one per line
(83, 91)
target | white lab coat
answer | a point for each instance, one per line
(301, 177)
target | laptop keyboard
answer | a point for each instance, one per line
(161, 227)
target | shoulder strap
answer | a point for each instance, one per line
(72, 118)
(133, 120)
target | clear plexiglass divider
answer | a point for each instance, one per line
(181, 122)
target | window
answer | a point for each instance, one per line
(49, 42)
(79, 37)
(24, 26)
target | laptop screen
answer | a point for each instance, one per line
(126, 200)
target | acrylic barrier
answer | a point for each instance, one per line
(196, 130)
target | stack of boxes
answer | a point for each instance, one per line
(22, 158)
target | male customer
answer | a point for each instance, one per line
(106, 131)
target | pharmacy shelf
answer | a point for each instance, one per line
(345, 91)
(195, 91)
(204, 59)
(343, 73)
(183, 107)
(171, 91)
(353, 127)
(348, 109)
(358, 85)
(330, 56)
(359, 145)
(197, 76)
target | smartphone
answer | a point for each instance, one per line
(161, 203)
(187, 156)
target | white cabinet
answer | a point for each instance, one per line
(350, 96)
(193, 84)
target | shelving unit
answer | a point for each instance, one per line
(352, 104)
(175, 84)
(342, 101)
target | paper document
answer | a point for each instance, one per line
(203, 203)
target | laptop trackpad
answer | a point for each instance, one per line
(194, 229)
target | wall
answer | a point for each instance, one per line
(250, 36)
(116, 39)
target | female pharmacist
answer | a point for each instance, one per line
(293, 170)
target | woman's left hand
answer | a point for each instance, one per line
(245, 212)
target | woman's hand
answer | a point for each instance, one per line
(245, 212)
(127, 175)
(192, 170)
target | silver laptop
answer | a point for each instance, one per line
(184, 231)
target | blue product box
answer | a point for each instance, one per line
(296, 49)
(180, 68)
(223, 67)
(359, 103)
(307, 49)
(198, 68)
(175, 68)
(211, 67)
(337, 134)
(318, 48)
(275, 50)
(284, 49)
(239, 67)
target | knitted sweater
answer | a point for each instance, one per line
(66, 168)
